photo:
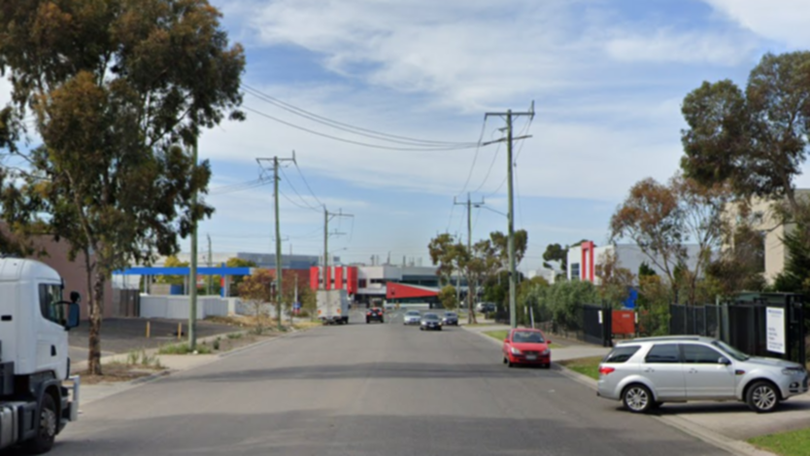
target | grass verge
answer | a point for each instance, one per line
(585, 366)
(792, 443)
(184, 349)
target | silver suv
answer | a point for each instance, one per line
(643, 373)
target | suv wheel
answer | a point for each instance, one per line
(762, 397)
(637, 398)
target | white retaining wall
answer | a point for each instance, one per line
(177, 307)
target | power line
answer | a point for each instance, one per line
(475, 157)
(296, 191)
(520, 149)
(233, 188)
(347, 127)
(358, 143)
(307, 183)
(517, 182)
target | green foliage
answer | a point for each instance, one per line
(645, 270)
(789, 443)
(184, 349)
(654, 298)
(498, 334)
(756, 139)
(447, 296)
(796, 275)
(139, 358)
(558, 253)
(172, 262)
(479, 263)
(256, 291)
(585, 366)
(120, 91)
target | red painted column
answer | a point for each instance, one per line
(338, 277)
(314, 277)
(588, 267)
(351, 279)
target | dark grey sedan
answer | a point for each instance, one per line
(450, 319)
(430, 321)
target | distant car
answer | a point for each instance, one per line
(485, 307)
(412, 317)
(375, 314)
(643, 373)
(526, 346)
(430, 321)
(450, 319)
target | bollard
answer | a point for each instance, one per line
(179, 331)
(148, 330)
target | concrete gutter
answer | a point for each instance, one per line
(700, 431)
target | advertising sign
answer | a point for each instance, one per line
(775, 325)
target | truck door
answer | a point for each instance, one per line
(51, 342)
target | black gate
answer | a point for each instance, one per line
(749, 330)
(695, 320)
(597, 327)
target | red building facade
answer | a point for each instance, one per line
(338, 278)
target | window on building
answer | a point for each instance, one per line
(361, 283)
(574, 271)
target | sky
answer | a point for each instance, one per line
(607, 79)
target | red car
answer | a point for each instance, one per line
(526, 346)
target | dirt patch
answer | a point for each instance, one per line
(118, 372)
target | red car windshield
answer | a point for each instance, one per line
(527, 337)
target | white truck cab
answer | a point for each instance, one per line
(34, 364)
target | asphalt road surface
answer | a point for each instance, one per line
(376, 389)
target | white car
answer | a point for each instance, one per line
(643, 373)
(412, 317)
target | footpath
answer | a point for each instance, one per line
(725, 425)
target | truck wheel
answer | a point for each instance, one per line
(46, 432)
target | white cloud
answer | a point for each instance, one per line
(468, 53)
(664, 46)
(783, 21)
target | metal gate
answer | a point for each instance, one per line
(749, 328)
(597, 325)
(695, 320)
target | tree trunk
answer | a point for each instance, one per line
(96, 315)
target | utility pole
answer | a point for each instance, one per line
(511, 213)
(470, 204)
(192, 271)
(210, 264)
(327, 216)
(276, 161)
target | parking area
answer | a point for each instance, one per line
(122, 335)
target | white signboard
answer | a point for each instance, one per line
(775, 324)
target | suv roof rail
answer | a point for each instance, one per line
(661, 338)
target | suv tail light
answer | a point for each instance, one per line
(604, 370)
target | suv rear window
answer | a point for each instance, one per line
(621, 354)
(663, 353)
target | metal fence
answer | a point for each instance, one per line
(695, 320)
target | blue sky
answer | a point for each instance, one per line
(607, 77)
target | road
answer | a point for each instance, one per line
(378, 389)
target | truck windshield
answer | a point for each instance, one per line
(49, 295)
